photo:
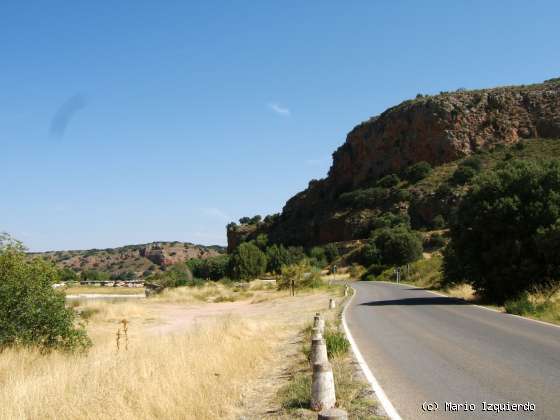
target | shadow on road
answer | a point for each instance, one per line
(417, 301)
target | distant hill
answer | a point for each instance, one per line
(440, 130)
(131, 260)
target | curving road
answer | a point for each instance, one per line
(424, 349)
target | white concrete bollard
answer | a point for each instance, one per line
(319, 323)
(317, 334)
(319, 351)
(345, 291)
(323, 394)
(333, 414)
(332, 304)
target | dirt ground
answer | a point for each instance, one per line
(287, 316)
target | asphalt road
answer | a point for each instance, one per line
(424, 348)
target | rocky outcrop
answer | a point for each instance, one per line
(153, 257)
(436, 129)
(443, 128)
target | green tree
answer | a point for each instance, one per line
(463, 174)
(331, 252)
(398, 245)
(370, 254)
(67, 274)
(32, 313)
(277, 256)
(387, 220)
(389, 181)
(505, 236)
(418, 171)
(255, 219)
(214, 268)
(299, 275)
(247, 262)
(261, 241)
(317, 256)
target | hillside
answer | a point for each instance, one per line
(440, 130)
(140, 260)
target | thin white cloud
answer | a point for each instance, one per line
(280, 110)
(216, 213)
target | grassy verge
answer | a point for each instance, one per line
(197, 375)
(352, 392)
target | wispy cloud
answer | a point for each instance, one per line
(280, 110)
(65, 113)
(216, 213)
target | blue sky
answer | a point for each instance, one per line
(129, 122)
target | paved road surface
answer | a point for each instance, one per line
(422, 347)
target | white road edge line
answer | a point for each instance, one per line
(474, 304)
(381, 396)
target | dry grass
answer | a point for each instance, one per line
(209, 292)
(199, 375)
(543, 304)
(77, 290)
(462, 291)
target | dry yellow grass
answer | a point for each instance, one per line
(209, 292)
(77, 290)
(197, 375)
(461, 291)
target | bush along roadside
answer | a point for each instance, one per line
(353, 394)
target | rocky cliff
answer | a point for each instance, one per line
(436, 129)
(443, 128)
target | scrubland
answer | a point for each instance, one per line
(216, 351)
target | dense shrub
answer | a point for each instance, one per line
(296, 254)
(176, 275)
(364, 198)
(444, 190)
(247, 262)
(370, 254)
(386, 220)
(356, 271)
(418, 171)
(66, 274)
(463, 174)
(506, 235)
(32, 313)
(94, 275)
(389, 181)
(214, 268)
(299, 275)
(331, 252)
(438, 222)
(277, 257)
(399, 196)
(398, 245)
(317, 256)
(261, 241)
(473, 162)
(373, 271)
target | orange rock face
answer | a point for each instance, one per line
(443, 128)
